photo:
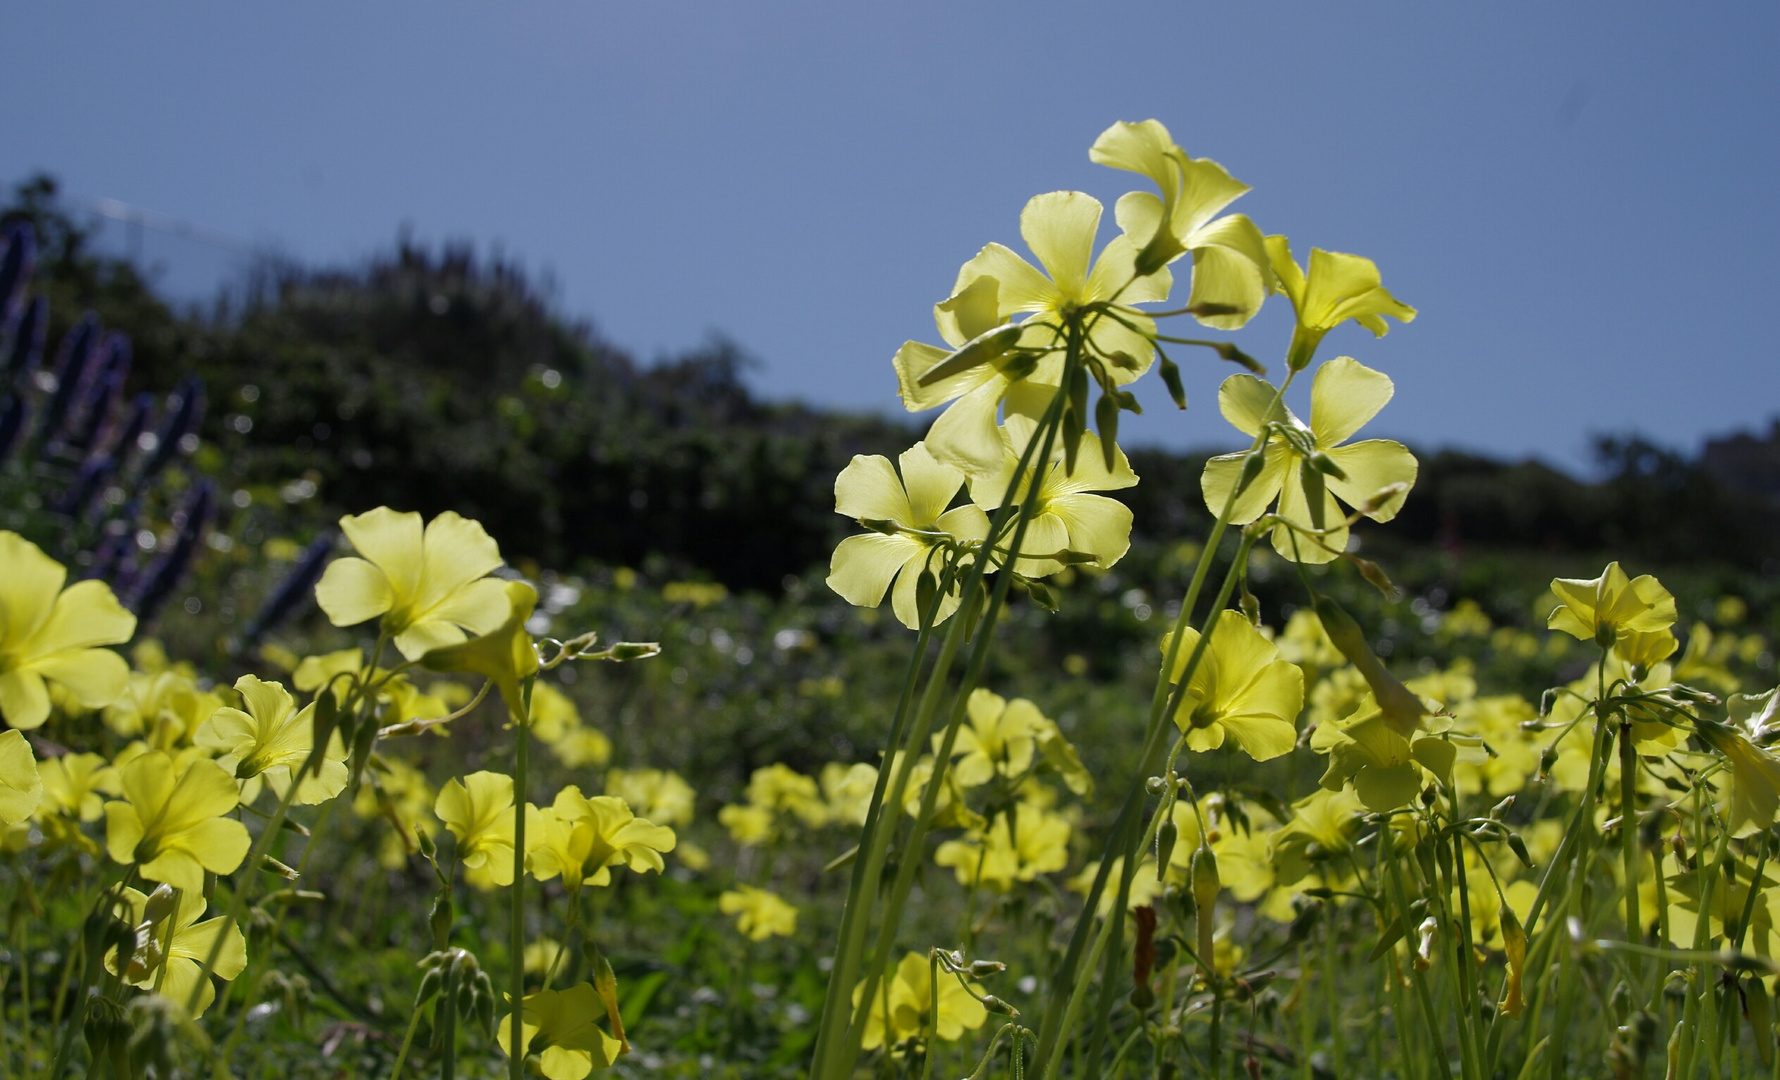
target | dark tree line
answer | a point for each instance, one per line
(434, 379)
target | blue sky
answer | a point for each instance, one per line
(1578, 197)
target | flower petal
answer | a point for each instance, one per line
(390, 540)
(1371, 466)
(28, 587)
(1224, 472)
(1096, 525)
(965, 435)
(868, 489)
(1229, 270)
(352, 591)
(454, 552)
(1020, 286)
(1059, 227)
(1344, 396)
(863, 566)
(1249, 402)
(96, 677)
(24, 700)
(931, 486)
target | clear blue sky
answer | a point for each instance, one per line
(1579, 197)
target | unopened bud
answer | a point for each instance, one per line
(981, 969)
(161, 905)
(1205, 881)
(1165, 840)
(996, 1005)
(1171, 379)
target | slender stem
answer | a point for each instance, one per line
(1394, 874)
(841, 1030)
(1628, 844)
(516, 902)
(912, 846)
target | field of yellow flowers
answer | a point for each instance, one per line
(476, 821)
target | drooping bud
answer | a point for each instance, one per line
(1401, 709)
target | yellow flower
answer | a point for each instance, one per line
(1385, 768)
(1374, 476)
(999, 739)
(1232, 271)
(1602, 608)
(557, 724)
(749, 826)
(479, 812)
(274, 738)
(1241, 689)
(582, 839)
(165, 706)
(997, 284)
(1065, 516)
(1145, 888)
(21, 787)
(848, 790)
(759, 913)
(47, 632)
(782, 789)
(398, 700)
(909, 994)
(1755, 777)
(429, 587)
(915, 502)
(1323, 826)
(399, 793)
(1018, 846)
(192, 944)
(171, 820)
(558, 1026)
(1338, 288)
(657, 794)
(504, 655)
(74, 783)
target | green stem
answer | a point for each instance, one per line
(840, 1030)
(1628, 844)
(516, 902)
(1049, 1038)
(1394, 873)
(912, 846)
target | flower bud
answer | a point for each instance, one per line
(1171, 379)
(1205, 883)
(996, 1005)
(1165, 840)
(162, 903)
(980, 969)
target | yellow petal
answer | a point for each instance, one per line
(96, 677)
(974, 311)
(21, 788)
(1371, 466)
(1344, 396)
(1019, 285)
(1249, 403)
(965, 435)
(454, 552)
(29, 582)
(1059, 227)
(392, 541)
(1224, 472)
(863, 566)
(1285, 269)
(1227, 273)
(1096, 525)
(352, 591)
(24, 700)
